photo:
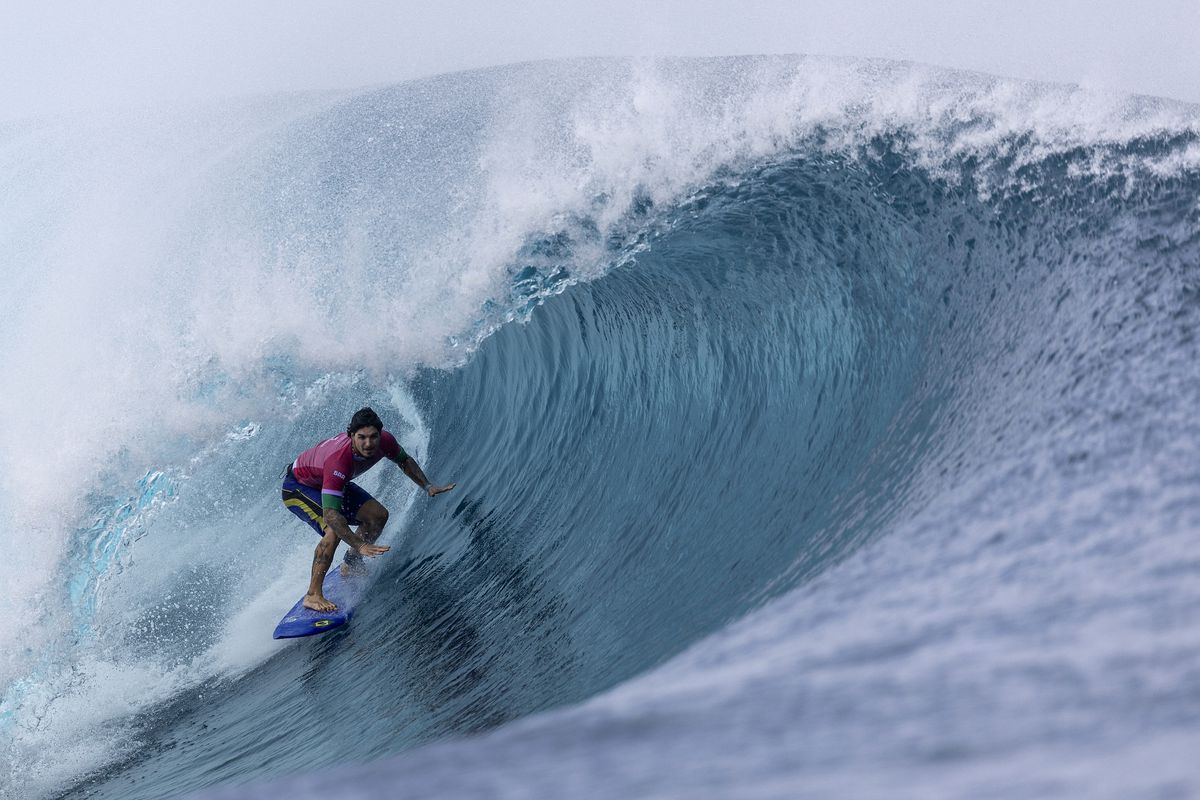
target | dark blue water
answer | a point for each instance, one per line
(811, 455)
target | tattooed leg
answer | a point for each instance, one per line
(322, 558)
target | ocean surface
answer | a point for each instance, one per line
(822, 428)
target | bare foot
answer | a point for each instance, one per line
(317, 602)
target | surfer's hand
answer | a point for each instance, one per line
(432, 490)
(372, 550)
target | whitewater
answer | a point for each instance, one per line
(822, 428)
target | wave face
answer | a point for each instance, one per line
(819, 425)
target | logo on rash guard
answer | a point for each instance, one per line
(339, 474)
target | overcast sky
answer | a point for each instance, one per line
(57, 55)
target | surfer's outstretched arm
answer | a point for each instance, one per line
(413, 470)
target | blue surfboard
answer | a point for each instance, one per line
(345, 593)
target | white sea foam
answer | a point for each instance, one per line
(73, 714)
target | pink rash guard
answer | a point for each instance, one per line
(333, 463)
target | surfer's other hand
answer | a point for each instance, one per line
(432, 490)
(371, 549)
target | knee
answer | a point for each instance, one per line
(374, 514)
(379, 518)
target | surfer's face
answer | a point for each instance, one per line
(365, 441)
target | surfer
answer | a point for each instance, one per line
(317, 488)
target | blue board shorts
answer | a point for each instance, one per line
(305, 501)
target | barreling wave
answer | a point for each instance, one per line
(694, 338)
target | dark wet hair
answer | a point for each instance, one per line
(364, 418)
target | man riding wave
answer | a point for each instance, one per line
(318, 488)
